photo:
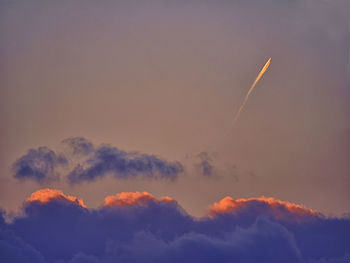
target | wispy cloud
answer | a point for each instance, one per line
(121, 164)
(38, 164)
(205, 164)
(88, 163)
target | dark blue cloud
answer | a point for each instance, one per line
(122, 164)
(38, 164)
(90, 162)
(82, 258)
(63, 231)
(13, 249)
(263, 241)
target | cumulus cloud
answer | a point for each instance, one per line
(38, 164)
(46, 195)
(138, 227)
(88, 162)
(271, 207)
(130, 198)
(14, 250)
(256, 243)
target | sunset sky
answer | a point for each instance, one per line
(126, 104)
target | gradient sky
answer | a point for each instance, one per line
(166, 78)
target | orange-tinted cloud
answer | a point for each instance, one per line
(279, 208)
(133, 199)
(47, 194)
(145, 224)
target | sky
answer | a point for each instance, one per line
(100, 98)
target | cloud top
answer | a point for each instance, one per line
(137, 227)
(133, 199)
(46, 195)
(276, 208)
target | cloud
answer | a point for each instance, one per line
(38, 165)
(258, 243)
(110, 160)
(205, 164)
(138, 227)
(82, 258)
(46, 195)
(79, 145)
(284, 211)
(343, 259)
(136, 198)
(88, 162)
(14, 250)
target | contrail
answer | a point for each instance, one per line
(263, 70)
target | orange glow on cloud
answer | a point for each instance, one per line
(47, 194)
(279, 209)
(134, 198)
(230, 205)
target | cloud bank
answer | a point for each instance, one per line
(138, 227)
(89, 163)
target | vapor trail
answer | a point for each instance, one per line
(261, 73)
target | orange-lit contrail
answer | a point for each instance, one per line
(261, 73)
